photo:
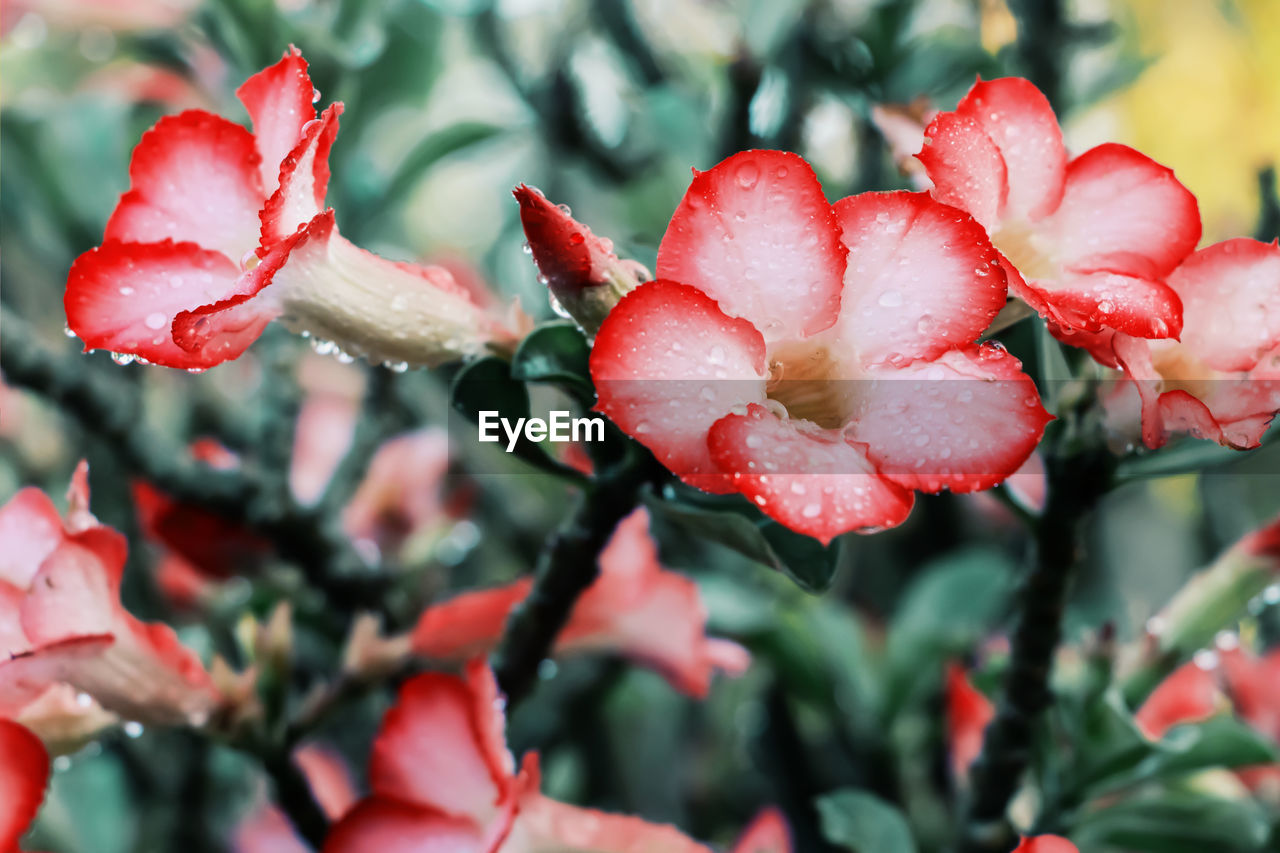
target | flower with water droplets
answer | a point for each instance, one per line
(585, 278)
(820, 331)
(166, 285)
(1221, 381)
(1088, 241)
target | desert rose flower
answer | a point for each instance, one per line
(584, 277)
(819, 359)
(1221, 381)
(443, 779)
(223, 231)
(635, 608)
(24, 772)
(1089, 241)
(62, 622)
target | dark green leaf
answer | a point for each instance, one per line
(556, 352)
(736, 524)
(487, 385)
(1176, 822)
(862, 823)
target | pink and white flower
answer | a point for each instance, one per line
(1089, 241)
(819, 359)
(442, 779)
(636, 608)
(1221, 381)
(223, 231)
(63, 628)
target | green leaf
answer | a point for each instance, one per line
(1185, 456)
(1054, 369)
(737, 525)
(858, 821)
(1175, 822)
(486, 384)
(433, 148)
(955, 601)
(556, 352)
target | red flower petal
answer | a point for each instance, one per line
(124, 296)
(963, 422)
(24, 772)
(30, 528)
(279, 100)
(1046, 844)
(304, 181)
(645, 611)
(965, 166)
(441, 747)
(667, 364)
(1123, 213)
(901, 247)
(145, 673)
(810, 480)
(636, 608)
(389, 826)
(1189, 695)
(767, 833)
(756, 234)
(546, 825)
(1104, 300)
(217, 547)
(193, 178)
(1019, 121)
(968, 714)
(28, 676)
(1231, 294)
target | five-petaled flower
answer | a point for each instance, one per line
(223, 231)
(443, 779)
(820, 359)
(636, 608)
(1221, 381)
(1089, 241)
(63, 627)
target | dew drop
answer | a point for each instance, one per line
(748, 175)
(890, 299)
(156, 321)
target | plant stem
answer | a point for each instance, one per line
(1075, 485)
(294, 796)
(567, 565)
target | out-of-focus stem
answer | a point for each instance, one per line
(567, 565)
(1075, 484)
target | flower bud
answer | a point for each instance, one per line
(585, 278)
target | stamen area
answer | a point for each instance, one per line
(811, 384)
(1021, 244)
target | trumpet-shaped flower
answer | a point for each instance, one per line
(442, 779)
(223, 231)
(819, 359)
(635, 608)
(1088, 241)
(62, 623)
(1221, 381)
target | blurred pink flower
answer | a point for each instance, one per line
(636, 608)
(62, 623)
(443, 779)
